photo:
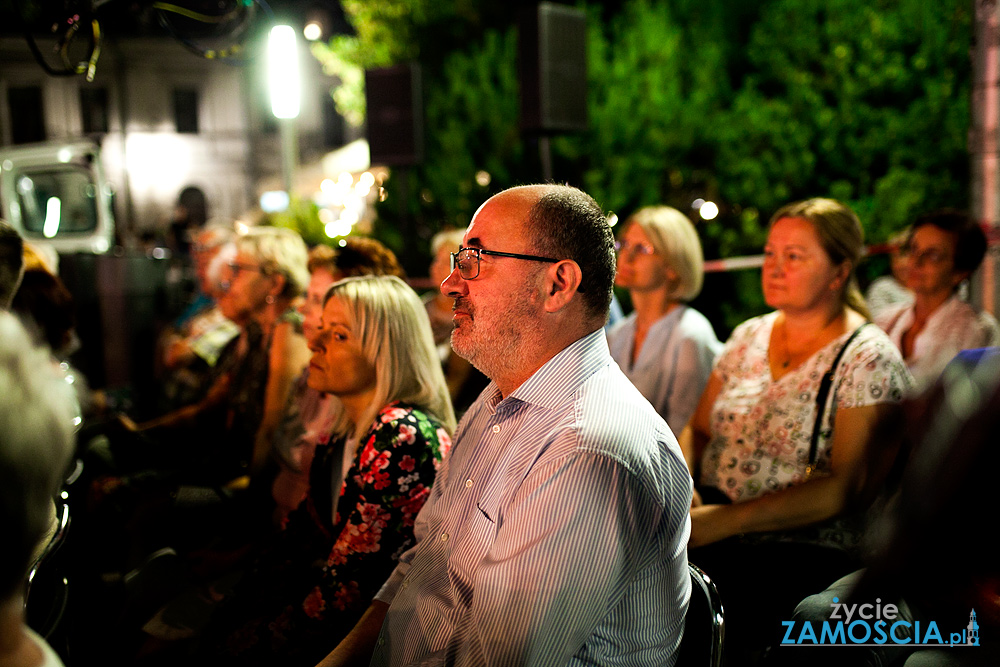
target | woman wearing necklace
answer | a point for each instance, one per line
(665, 347)
(780, 459)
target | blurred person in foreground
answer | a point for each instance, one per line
(47, 311)
(11, 263)
(934, 547)
(943, 250)
(555, 533)
(464, 381)
(930, 552)
(782, 469)
(37, 410)
(665, 347)
(374, 353)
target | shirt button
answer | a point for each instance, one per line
(444, 537)
(381, 641)
(496, 428)
(468, 483)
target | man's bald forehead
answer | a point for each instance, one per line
(521, 197)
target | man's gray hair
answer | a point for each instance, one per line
(37, 410)
(11, 263)
(568, 224)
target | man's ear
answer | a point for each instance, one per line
(562, 280)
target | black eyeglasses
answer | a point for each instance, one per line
(236, 267)
(467, 260)
(929, 255)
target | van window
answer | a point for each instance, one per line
(57, 201)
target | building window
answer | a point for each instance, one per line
(27, 117)
(94, 110)
(186, 110)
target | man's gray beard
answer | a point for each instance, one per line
(494, 355)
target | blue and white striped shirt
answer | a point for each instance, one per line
(556, 532)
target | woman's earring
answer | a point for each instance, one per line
(269, 299)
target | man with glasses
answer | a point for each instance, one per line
(556, 533)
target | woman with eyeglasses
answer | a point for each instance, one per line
(665, 347)
(943, 249)
(231, 427)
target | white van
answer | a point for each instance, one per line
(56, 195)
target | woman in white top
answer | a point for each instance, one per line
(784, 464)
(944, 249)
(665, 347)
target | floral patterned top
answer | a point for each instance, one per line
(761, 428)
(310, 588)
(954, 326)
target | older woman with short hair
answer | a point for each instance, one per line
(260, 286)
(943, 249)
(665, 347)
(37, 410)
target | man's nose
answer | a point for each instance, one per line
(454, 285)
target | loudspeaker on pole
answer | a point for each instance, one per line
(395, 115)
(552, 66)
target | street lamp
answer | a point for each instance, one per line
(284, 85)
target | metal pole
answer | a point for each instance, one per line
(983, 146)
(289, 152)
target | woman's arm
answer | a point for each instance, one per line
(857, 469)
(691, 367)
(186, 415)
(695, 435)
(288, 355)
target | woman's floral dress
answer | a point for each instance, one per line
(310, 588)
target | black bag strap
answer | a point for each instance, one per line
(824, 391)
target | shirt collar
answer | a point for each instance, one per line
(560, 377)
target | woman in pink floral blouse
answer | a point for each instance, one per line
(376, 355)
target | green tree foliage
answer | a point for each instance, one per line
(471, 117)
(751, 105)
(867, 103)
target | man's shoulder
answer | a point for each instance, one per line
(610, 416)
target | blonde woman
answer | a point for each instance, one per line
(786, 463)
(375, 354)
(665, 347)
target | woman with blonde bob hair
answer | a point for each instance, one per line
(375, 354)
(665, 347)
(779, 445)
(395, 335)
(255, 373)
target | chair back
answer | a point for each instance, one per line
(704, 623)
(46, 593)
